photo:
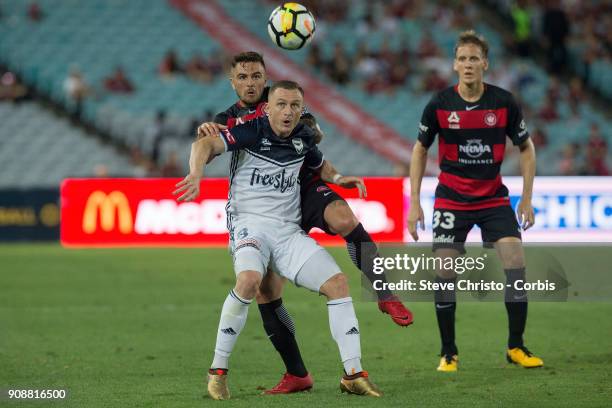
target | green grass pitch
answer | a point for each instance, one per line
(136, 328)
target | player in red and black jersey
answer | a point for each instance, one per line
(472, 121)
(321, 207)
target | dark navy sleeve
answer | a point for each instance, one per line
(516, 128)
(242, 136)
(314, 158)
(221, 118)
(429, 127)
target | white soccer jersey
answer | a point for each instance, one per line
(264, 170)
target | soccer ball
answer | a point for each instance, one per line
(291, 26)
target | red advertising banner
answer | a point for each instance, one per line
(143, 212)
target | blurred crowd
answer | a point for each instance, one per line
(426, 68)
(11, 87)
(422, 67)
(147, 160)
(559, 27)
(385, 69)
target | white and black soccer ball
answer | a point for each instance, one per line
(291, 26)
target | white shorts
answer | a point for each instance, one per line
(257, 243)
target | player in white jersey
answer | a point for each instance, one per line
(264, 221)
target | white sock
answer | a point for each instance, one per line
(345, 330)
(232, 321)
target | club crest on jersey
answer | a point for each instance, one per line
(298, 144)
(243, 233)
(490, 119)
(474, 148)
(265, 144)
(453, 120)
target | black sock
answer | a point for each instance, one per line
(281, 332)
(516, 306)
(446, 304)
(362, 251)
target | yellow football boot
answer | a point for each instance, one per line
(359, 384)
(448, 363)
(217, 384)
(523, 357)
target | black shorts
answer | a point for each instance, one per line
(315, 197)
(451, 227)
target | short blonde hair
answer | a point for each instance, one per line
(470, 37)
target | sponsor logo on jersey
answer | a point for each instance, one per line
(443, 238)
(522, 124)
(322, 188)
(453, 120)
(423, 128)
(228, 136)
(474, 148)
(281, 181)
(490, 119)
(298, 144)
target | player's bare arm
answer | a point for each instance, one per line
(329, 174)
(211, 130)
(417, 170)
(528, 168)
(201, 152)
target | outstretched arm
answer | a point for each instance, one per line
(329, 174)
(209, 130)
(201, 152)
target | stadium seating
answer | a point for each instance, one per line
(97, 35)
(402, 109)
(39, 149)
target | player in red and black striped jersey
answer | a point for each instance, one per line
(472, 121)
(321, 207)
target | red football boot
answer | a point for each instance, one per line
(291, 383)
(398, 312)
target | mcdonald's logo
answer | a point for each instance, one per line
(112, 207)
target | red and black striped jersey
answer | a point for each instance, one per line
(471, 145)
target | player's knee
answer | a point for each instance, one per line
(340, 218)
(336, 287)
(510, 251)
(271, 288)
(247, 284)
(513, 261)
(445, 271)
